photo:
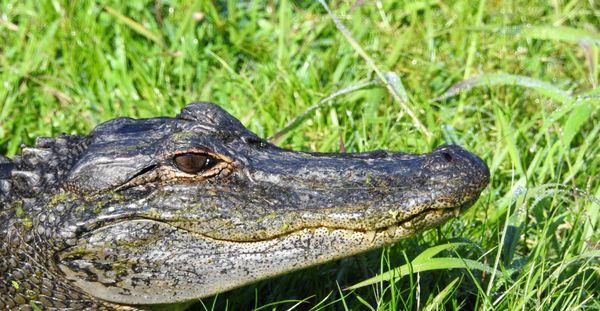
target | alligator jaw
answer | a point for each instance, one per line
(180, 265)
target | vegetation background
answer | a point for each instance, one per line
(395, 80)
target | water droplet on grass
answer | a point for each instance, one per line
(198, 16)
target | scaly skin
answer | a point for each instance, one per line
(165, 210)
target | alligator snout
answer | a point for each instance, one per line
(455, 173)
(453, 156)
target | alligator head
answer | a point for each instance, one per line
(165, 210)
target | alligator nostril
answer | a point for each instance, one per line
(447, 156)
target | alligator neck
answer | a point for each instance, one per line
(27, 182)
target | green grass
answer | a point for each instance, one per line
(530, 108)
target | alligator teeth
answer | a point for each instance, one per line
(394, 215)
(370, 236)
(391, 231)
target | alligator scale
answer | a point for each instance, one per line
(166, 210)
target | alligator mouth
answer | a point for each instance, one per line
(422, 220)
(425, 219)
(414, 223)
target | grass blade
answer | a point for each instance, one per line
(491, 79)
(432, 251)
(577, 118)
(560, 33)
(438, 300)
(546, 32)
(426, 265)
(592, 222)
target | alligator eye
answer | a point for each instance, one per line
(193, 163)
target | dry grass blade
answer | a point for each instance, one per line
(590, 52)
(137, 27)
(8, 24)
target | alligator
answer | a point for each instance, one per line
(166, 210)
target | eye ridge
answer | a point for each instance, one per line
(194, 163)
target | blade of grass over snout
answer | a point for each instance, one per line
(490, 79)
(322, 103)
(426, 262)
(398, 94)
(137, 27)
